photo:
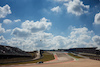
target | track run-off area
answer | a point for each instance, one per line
(62, 59)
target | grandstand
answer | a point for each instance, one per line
(10, 52)
(90, 50)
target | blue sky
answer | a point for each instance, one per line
(50, 24)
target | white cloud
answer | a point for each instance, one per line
(3, 41)
(34, 41)
(4, 11)
(28, 40)
(37, 26)
(59, 42)
(79, 37)
(76, 7)
(2, 30)
(21, 32)
(8, 30)
(56, 9)
(97, 18)
(31, 27)
(96, 39)
(2, 38)
(7, 21)
(18, 20)
(81, 31)
(32, 36)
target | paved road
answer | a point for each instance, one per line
(38, 56)
(60, 57)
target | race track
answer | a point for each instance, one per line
(62, 60)
(60, 57)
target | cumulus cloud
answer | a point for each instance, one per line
(56, 9)
(8, 30)
(96, 39)
(81, 31)
(2, 38)
(59, 42)
(7, 21)
(31, 27)
(2, 30)
(20, 32)
(27, 40)
(3, 41)
(18, 20)
(37, 26)
(32, 36)
(76, 7)
(79, 37)
(35, 41)
(97, 18)
(4, 11)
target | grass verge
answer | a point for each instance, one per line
(75, 56)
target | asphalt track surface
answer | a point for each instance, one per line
(60, 57)
(62, 60)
